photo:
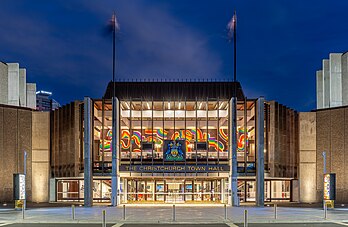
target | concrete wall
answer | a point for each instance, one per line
(13, 84)
(320, 89)
(326, 75)
(23, 87)
(3, 83)
(344, 62)
(65, 141)
(15, 138)
(283, 141)
(332, 137)
(31, 95)
(307, 165)
(41, 156)
(335, 80)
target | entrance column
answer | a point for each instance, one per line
(260, 162)
(88, 176)
(115, 145)
(234, 201)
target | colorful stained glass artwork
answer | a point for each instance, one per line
(223, 135)
(157, 136)
(136, 138)
(243, 140)
(158, 132)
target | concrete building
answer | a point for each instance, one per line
(153, 114)
(332, 82)
(22, 129)
(14, 87)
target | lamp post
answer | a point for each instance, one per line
(25, 176)
(324, 170)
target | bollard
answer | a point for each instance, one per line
(104, 219)
(325, 211)
(23, 211)
(173, 212)
(245, 218)
(275, 211)
(225, 211)
(73, 212)
(124, 212)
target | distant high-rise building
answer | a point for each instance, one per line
(332, 81)
(14, 89)
(44, 102)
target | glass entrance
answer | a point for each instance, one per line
(174, 191)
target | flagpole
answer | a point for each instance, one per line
(235, 47)
(233, 174)
(114, 183)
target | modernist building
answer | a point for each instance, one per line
(22, 130)
(174, 145)
(14, 89)
(332, 81)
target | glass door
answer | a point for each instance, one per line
(207, 192)
(175, 192)
(160, 191)
(197, 190)
(241, 190)
(188, 190)
(250, 191)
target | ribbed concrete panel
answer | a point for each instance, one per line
(326, 75)
(13, 84)
(31, 95)
(320, 89)
(335, 80)
(23, 87)
(3, 83)
(344, 60)
(40, 155)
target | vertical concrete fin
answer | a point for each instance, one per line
(88, 177)
(233, 152)
(320, 89)
(260, 162)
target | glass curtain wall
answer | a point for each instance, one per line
(203, 124)
(147, 124)
(246, 137)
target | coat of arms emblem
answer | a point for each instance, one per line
(174, 150)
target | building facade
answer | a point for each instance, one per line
(174, 145)
(14, 89)
(24, 130)
(332, 81)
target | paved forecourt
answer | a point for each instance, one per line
(183, 215)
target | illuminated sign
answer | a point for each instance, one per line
(330, 186)
(175, 168)
(19, 186)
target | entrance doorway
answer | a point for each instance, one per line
(174, 190)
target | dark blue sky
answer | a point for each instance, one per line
(280, 43)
